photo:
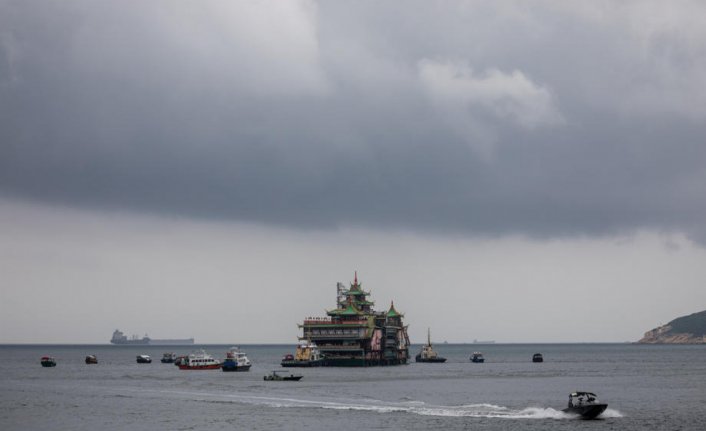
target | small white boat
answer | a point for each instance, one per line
(144, 359)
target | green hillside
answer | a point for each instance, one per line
(692, 324)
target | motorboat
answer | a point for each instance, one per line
(179, 360)
(279, 375)
(144, 359)
(48, 361)
(537, 357)
(91, 359)
(235, 361)
(585, 404)
(306, 355)
(427, 353)
(477, 357)
(199, 360)
(168, 358)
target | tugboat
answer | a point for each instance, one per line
(91, 359)
(307, 355)
(199, 361)
(428, 354)
(236, 361)
(585, 404)
(477, 357)
(144, 359)
(48, 361)
(537, 357)
(276, 376)
(168, 358)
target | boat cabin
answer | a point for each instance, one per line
(579, 399)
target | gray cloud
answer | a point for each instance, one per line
(480, 118)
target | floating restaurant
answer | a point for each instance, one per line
(354, 334)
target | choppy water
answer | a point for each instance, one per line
(646, 387)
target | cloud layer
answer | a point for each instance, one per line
(479, 118)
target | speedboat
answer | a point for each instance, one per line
(144, 359)
(236, 361)
(428, 354)
(168, 358)
(306, 355)
(199, 361)
(48, 361)
(477, 357)
(91, 359)
(585, 404)
(537, 357)
(277, 375)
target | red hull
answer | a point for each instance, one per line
(200, 367)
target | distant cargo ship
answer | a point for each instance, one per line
(120, 338)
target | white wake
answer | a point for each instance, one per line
(412, 407)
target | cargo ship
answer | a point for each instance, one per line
(122, 339)
(354, 334)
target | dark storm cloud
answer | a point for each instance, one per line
(479, 117)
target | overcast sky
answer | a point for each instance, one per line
(501, 169)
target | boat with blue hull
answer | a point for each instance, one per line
(236, 361)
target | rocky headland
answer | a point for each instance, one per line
(689, 329)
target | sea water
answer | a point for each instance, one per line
(646, 387)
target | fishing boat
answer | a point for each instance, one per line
(168, 358)
(477, 357)
(144, 359)
(236, 361)
(179, 360)
(91, 359)
(199, 361)
(428, 354)
(585, 404)
(537, 357)
(306, 355)
(278, 375)
(48, 361)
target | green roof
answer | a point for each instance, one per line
(392, 312)
(351, 310)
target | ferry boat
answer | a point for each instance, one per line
(537, 357)
(91, 359)
(355, 335)
(48, 361)
(144, 359)
(428, 354)
(477, 357)
(306, 355)
(585, 404)
(168, 358)
(236, 361)
(199, 361)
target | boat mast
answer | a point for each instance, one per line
(428, 336)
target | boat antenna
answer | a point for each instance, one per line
(356, 278)
(429, 336)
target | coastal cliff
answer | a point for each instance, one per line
(689, 329)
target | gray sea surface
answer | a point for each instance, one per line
(646, 387)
